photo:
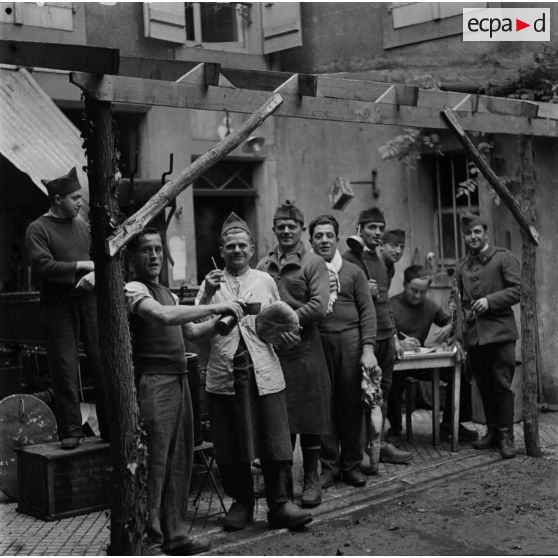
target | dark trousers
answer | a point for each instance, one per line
(166, 409)
(385, 355)
(247, 425)
(342, 353)
(492, 367)
(65, 321)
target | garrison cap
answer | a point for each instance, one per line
(63, 185)
(289, 211)
(470, 220)
(233, 221)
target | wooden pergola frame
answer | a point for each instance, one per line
(207, 86)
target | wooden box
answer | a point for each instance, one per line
(54, 483)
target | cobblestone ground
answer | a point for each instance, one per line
(89, 534)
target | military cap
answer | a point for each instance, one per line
(470, 220)
(371, 215)
(394, 236)
(289, 211)
(62, 185)
(233, 221)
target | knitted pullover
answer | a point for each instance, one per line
(353, 308)
(54, 246)
(377, 271)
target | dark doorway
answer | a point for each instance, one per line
(224, 188)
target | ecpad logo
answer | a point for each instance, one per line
(506, 24)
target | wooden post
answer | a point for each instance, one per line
(529, 329)
(127, 437)
(134, 224)
(523, 211)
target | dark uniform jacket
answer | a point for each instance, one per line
(493, 274)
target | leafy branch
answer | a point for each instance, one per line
(407, 147)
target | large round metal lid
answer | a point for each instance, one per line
(24, 420)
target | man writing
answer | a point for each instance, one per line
(371, 227)
(414, 315)
(489, 282)
(58, 244)
(303, 283)
(348, 333)
(246, 390)
(163, 396)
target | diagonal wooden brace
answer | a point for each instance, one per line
(134, 224)
(492, 178)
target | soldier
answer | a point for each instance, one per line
(58, 244)
(303, 282)
(489, 282)
(393, 246)
(371, 227)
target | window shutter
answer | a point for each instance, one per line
(281, 26)
(165, 21)
(411, 13)
(50, 15)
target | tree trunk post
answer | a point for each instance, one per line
(529, 340)
(127, 437)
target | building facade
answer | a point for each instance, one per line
(413, 43)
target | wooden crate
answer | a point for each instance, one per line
(54, 483)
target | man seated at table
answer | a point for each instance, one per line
(414, 314)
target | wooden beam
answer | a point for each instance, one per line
(153, 92)
(204, 75)
(93, 60)
(493, 179)
(308, 85)
(134, 224)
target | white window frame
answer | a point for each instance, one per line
(232, 46)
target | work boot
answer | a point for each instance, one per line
(354, 477)
(328, 478)
(311, 489)
(238, 516)
(187, 547)
(70, 443)
(505, 444)
(464, 433)
(288, 516)
(489, 440)
(390, 454)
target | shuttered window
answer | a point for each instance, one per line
(50, 15)
(281, 26)
(165, 21)
(414, 22)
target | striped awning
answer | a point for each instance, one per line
(35, 135)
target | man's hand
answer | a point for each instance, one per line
(368, 359)
(410, 344)
(480, 306)
(373, 285)
(87, 282)
(212, 281)
(234, 307)
(287, 340)
(398, 348)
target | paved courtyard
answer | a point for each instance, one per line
(89, 534)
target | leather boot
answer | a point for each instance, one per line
(505, 443)
(390, 454)
(278, 483)
(238, 516)
(288, 516)
(489, 440)
(311, 489)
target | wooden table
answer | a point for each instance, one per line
(432, 362)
